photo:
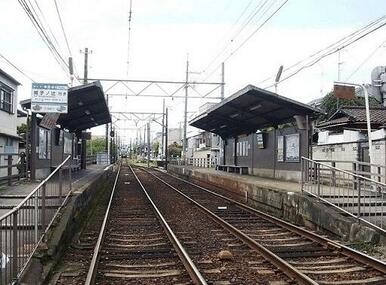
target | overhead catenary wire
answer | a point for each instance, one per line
(330, 52)
(336, 46)
(250, 35)
(238, 32)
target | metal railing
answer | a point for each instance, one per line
(91, 159)
(197, 162)
(23, 228)
(370, 170)
(13, 168)
(353, 194)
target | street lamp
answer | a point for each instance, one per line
(338, 83)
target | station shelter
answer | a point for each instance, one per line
(263, 132)
(87, 108)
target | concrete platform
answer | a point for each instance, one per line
(11, 196)
(282, 199)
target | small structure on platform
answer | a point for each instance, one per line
(87, 108)
(263, 133)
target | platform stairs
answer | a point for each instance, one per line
(356, 189)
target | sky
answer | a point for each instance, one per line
(165, 33)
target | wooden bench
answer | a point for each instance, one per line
(233, 168)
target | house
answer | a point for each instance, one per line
(204, 145)
(9, 140)
(344, 137)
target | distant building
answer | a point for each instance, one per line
(204, 145)
(175, 136)
(9, 140)
(343, 137)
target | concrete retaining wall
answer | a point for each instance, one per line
(293, 207)
(69, 221)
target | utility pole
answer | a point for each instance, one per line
(107, 127)
(85, 76)
(222, 80)
(185, 111)
(166, 138)
(71, 70)
(148, 145)
(144, 139)
(339, 72)
(163, 128)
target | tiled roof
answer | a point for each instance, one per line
(358, 114)
(354, 115)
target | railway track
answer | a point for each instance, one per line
(135, 244)
(304, 256)
(221, 257)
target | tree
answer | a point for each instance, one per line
(329, 104)
(174, 150)
(22, 129)
(96, 145)
(155, 148)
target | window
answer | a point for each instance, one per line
(6, 98)
(67, 145)
(44, 144)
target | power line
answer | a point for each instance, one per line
(366, 59)
(238, 32)
(36, 22)
(45, 20)
(336, 46)
(251, 35)
(63, 30)
(17, 68)
(328, 53)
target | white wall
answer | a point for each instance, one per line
(8, 122)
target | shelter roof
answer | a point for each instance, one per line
(87, 108)
(248, 110)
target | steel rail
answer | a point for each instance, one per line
(193, 271)
(345, 250)
(280, 263)
(93, 265)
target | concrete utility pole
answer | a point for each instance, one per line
(185, 111)
(107, 128)
(71, 70)
(166, 138)
(85, 76)
(148, 145)
(222, 81)
(163, 129)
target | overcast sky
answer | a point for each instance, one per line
(165, 31)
